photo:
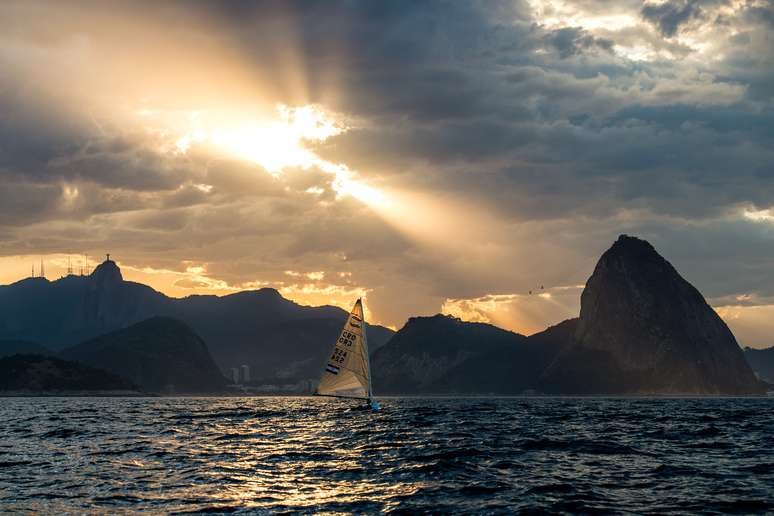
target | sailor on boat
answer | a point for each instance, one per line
(347, 372)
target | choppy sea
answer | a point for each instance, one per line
(310, 455)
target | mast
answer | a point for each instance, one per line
(365, 351)
(371, 401)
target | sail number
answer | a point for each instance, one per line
(347, 338)
(338, 356)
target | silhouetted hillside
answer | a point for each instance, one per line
(507, 370)
(21, 347)
(644, 329)
(442, 354)
(762, 362)
(258, 328)
(280, 340)
(49, 375)
(557, 336)
(159, 354)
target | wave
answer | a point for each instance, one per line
(274, 455)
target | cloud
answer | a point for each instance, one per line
(669, 16)
(514, 140)
(527, 311)
(569, 41)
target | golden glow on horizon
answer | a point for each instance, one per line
(752, 322)
(522, 313)
(305, 288)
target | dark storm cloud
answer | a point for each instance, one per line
(668, 16)
(762, 14)
(570, 41)
(433, 49)
(123, 163)
(33, 131)
(25, 203)
(749, 55)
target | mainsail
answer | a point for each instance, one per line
(347, 372)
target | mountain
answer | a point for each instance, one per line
(49, 375)
(427, 348)
(281, 341)
(74, 308)
(444, 355)
(159, 354)
(507, 370)
(762, 362)
(21, 347)
(644, 329)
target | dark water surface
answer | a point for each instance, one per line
(417, 455)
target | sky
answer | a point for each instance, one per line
(431, 156)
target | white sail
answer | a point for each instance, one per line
(347, 371)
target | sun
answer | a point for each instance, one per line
(278, 143)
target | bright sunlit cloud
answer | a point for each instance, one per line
(637, 39)
(558, 14)
(278, 143)
(759, 215)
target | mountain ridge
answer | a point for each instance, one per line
(239, 328)
(653, 328)
(643, 329)
(396, 368)
(762, 362)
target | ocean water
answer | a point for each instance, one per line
(490, 455)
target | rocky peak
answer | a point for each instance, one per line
(107, 273)
(269, 293)
(432, 320)
(632, 247)
(657, 327)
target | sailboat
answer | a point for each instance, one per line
(347, 372)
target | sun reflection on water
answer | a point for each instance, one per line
(310, 455)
